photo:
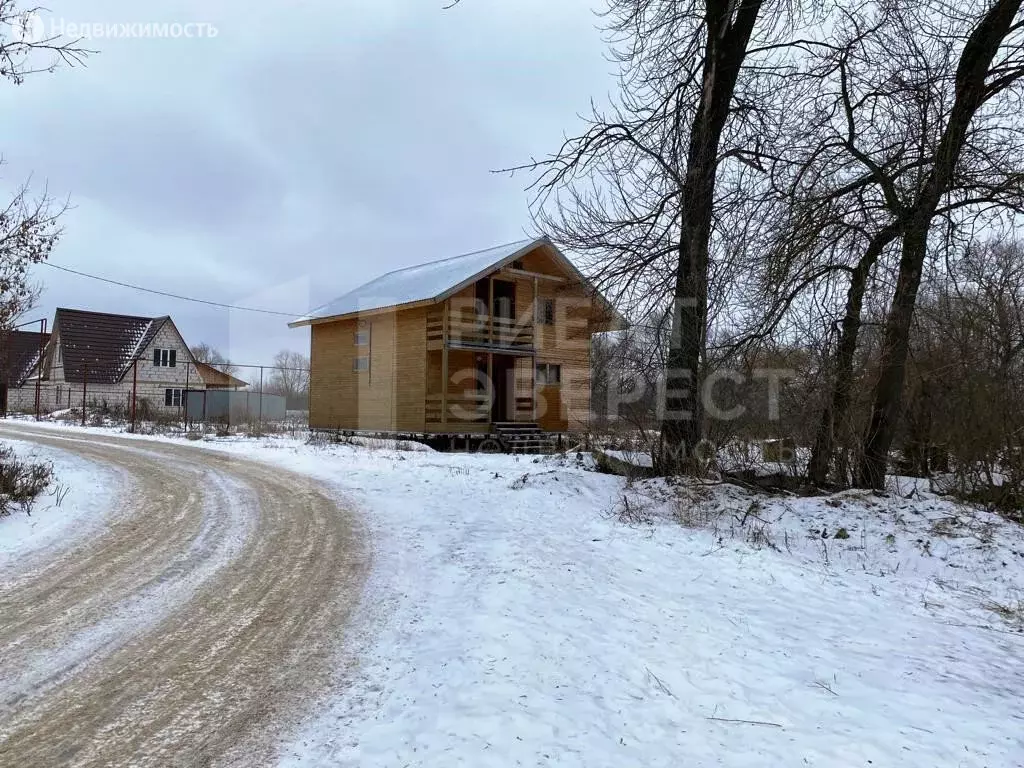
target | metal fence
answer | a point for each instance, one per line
(181, 392)
(233, 407)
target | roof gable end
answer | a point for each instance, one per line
(100, 347)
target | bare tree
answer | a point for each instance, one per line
(964, 411)
(642, 192)
(989, 65)
(872, 111)
(208, 354)
(290, 379)
(28, 225)
(25, 46)
(28, 232)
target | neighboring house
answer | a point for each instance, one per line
(217, 379)
(466, 345)
(107, 356)
(19, 357)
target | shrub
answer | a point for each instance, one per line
(144, 409)
(21, 482)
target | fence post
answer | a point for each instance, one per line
(185, 396)
(260, 422)
(135, 391)
(39, 366)
(85, 378)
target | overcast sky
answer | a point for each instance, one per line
(305, 149)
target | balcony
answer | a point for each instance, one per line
(480, 332)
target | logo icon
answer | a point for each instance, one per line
(29, 28)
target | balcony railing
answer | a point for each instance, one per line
(480, 331)
(463, 408)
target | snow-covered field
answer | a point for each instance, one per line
(513, 619)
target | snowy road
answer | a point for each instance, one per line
(193, 629)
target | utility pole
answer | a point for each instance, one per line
(135, 391)
(184, 396)
(260, 427)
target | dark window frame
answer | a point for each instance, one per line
(165, 358)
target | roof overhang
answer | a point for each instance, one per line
(616, 323)
(361, 313)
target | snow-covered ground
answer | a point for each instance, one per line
(78, 503)
(512, 618)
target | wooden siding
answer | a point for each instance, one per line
(411, 369)
(566, 343)
(402, 390)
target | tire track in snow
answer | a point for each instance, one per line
(190, 628)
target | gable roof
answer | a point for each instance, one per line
(423, 282)
(99, 346)
(19, 355)
(435, 281)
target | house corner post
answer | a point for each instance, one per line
(490, 387)
(490, 309)
(533, 360)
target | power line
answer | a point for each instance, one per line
(172, 295)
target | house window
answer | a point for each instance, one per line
(361, 363)
(362, 338)
(546, 311)
(548, 374)
(165, 358)
(172, 398)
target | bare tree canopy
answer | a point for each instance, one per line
(28, 224)
(987, 72)
(205, 353)
(771, 181)
(644, 193)
(24, 51)
(290, 379)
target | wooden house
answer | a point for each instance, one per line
(463, 346)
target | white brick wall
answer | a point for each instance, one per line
(153, 381)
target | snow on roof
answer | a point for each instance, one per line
(420, 283)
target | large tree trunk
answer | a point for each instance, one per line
(836, 411)
(885, 411)
(729, 26)
(682, 422)
(917, 440)
(971, 93)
